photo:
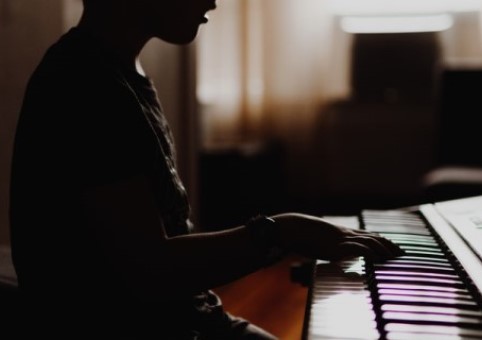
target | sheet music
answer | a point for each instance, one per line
(465, 216)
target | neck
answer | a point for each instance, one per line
(118, 34)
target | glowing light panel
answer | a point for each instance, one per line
(396, 24)
(380, 7)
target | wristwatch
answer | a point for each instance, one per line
(265, 233)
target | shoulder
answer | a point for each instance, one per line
(75, 77)
(77, 63)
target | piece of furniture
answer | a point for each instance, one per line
(376, 144)
(458, 169)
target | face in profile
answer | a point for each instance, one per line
(175, 21)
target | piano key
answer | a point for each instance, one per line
(426, 300)
(394, 221)
(415, 274)
(331, 292)
(424, 253)
(394, 218)
(439, 288)
(412, 245)
(421, 248)
(405, 243)
(405, 230)
(431, 309)
(331, 314)
(429, 262)
(415, 268)
(407, 237)
(323, 295)
(334, 334)
(338, 281)
(418, 258)
(390, 220)
(328, 288)
(430, 318)
(435, 329)
(389, 225)
(335, 287)
(390, 214)
(326, 310)
(425, 336)
(413, 292)
(419, 280)
(402, 219)
(327, 306)
(396, 226)
(401, 236)
(329, 282)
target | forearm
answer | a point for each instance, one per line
(207, 260)
(138, 248)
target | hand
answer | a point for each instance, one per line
(317, 238)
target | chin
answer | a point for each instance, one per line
(180, 38)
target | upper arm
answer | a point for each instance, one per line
(124, 214)
(124, 221)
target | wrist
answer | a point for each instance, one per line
(264, 232)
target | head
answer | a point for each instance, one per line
(174, 21)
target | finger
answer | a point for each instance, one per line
(396, 250)
(374, 244)
(371, 243)
(350, 249)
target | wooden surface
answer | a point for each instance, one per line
(269, 299)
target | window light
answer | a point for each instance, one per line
(396, 24)
(397, 7)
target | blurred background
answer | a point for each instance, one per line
(319, 106)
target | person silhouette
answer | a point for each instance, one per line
(102, 241)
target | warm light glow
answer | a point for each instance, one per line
(380, 7)
(396, 24)
(335, 316)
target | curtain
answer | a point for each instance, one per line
(265, 67)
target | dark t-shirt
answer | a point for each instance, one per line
(87, 122)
